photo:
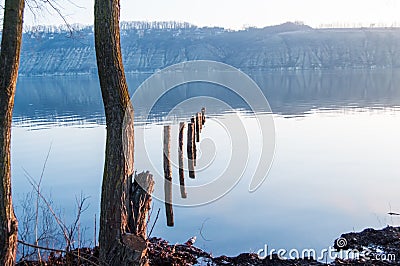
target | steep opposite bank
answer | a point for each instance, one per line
(49, 51)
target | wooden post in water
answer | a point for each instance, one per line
(190, 143)
(168, 176)
(200, 117)
(198, 127)
(180, 161)
(203, 115)
(193, 120)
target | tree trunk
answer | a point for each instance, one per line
(9, 63)
(117, 245)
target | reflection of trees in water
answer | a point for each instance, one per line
(298, 92)
(293, 92)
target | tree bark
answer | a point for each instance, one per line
(117, 245)
(141, 201)
(9, 62)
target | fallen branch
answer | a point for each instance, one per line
(57, 250)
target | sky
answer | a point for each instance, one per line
(235, 14)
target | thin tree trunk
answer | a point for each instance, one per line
(116, 246)
(9, 63)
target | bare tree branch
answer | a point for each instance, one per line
(47, 6)
(75, 253)
(155, 221)
(62, 226)
(37, 202)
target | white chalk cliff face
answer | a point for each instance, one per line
(148, 47)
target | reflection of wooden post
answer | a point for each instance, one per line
(198, 127)
(168, 176)
(193, 120)
(180, 160)
(203, 115)
(190, 143)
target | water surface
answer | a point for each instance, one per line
(335, 168)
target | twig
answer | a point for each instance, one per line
(37, 201)
(201, 230)
(68, 232)
(56, 250)
(81, 209)
(58, 11)
(63, 227)
(151, 230)
(95, 230)
(41, 5)
(74, 4)
(40, 247)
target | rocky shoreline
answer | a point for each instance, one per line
(369, 247)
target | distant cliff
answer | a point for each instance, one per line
(151, 46)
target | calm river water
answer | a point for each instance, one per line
(335, 169)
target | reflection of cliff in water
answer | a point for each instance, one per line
(54, 98)
(61, 98)
(289, 93)
(296, 93)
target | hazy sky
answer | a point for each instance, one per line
(236, 13)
